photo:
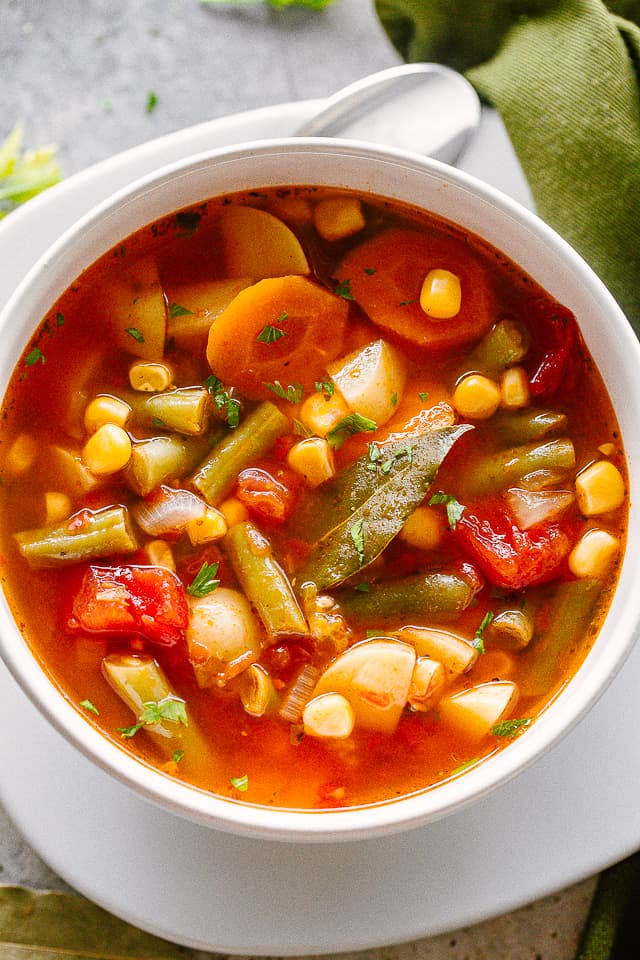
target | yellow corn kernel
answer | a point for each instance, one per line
(150, 377)
(320, 413)
(441, 295)
(233, 510)
(21, 455)
(599, 488)
(210, 526)
(160, 554)
(57, 506)
(514, 388)
(338, 217)
(329, 716)
(107, 450)
(476, 397)
(106, 409)
(423, 529)
(607, 449)
(593, 554)
(312, 458)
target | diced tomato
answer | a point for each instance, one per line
(263, 495)
(510, 557)
(552, 360)
(129, 600)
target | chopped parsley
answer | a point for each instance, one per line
(187, 222)
(176, 310)
(157, 422)
(294, 392)
(369, 271)
(347, 427)
(59, 320)
(90, 707)
(224, 401)
(343, 289)
(240, 783)
(152, 101)
(135, 333)
(34, 356)
(465, 766)
(394, 400)
(423, 395)
(204, 581)
(406, 303)
(357, 535)
(326, 387)
(363, 587)
(454, 509)
(375, 454)
(269, 333)
(171, 708)
(177, 756)
(510, 728)
(478, 638)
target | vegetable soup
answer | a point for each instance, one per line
(309, 499)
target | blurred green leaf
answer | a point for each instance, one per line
(23, 174)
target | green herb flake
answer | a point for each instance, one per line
(454, 509)
(406, 303)
(478, 639)
(152, 101)
(90, 707)
(241, 784)
(300, 429)
(326, 387)
(510, 728)
(374, 633)
(177, 756)
(224, 401)
(343, 289)
(59, 320)
(357, 535)
(204, 581)
(465, 766)
(374, 452)
(157, 422)
(270, 334)
(187, 222)
(135, 333)
(294, 392)
(394, 400)
(171, 708)
(34, 356)
(369, 271)
(348, 426)
(176, 310)
(363, 587)
(423, 395)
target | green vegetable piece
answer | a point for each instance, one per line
(499, 470)
(382, 505)
(24, 175)
(84, 536)
(204, 581)
(510, 728)
(523, 426)
(241, 784)
(478, 637)
(435, 597)
(503, 346)
(256, 435)
(264, 582)
(185, 410)
(159, 459)
(454, 509)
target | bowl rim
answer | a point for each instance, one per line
(239, 816)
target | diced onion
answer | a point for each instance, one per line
(299, 694)
(167, 511)
(530, 507)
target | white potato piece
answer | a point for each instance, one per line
(427, 684)
(476, 710)
(222, 636)
(204, 300)
(134, 305)
(256, 244)
(455, 653)
(374, 676)
(371, 379)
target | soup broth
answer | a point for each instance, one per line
(309, 499)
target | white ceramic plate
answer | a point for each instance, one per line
(570, 815)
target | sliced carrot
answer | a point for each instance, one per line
(385, 277)
(283, 329)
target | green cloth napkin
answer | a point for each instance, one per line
(565, 78)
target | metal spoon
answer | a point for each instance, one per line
(423, 107)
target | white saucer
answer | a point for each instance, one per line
(572, 814)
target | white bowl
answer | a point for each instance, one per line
(475, 207)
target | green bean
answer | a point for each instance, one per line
(159, 459)
(523, 426)
(264, 581)
(503, 346)
(433, 597)
(572, 608)
(498, 470)
(84, 536)
(510, 629)
(257, 433)
(184, 410)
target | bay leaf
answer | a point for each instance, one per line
(372, 505)
(36, 925)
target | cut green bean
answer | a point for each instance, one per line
(510, 629)
(264, 582)
(499, 470)
(185, 410)
(523, 426)
(160, 459)
(503, 346)
(574, 605)
(84, 536)
(433, 597)
(257, 433)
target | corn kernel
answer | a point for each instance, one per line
(514, 388)
(107, 450)
(338, 217)
(233, 510)
(106, 409)
(476, 397)
(21, 455)
(593, 554)
(607, 449)
(160, 554)
(211, 526)
(312, 458)
(599, 488)
(321, 413)
(150, 377)
(423, 529)
(57, 506)
(427, 684)
(329, 716)
(441, 295)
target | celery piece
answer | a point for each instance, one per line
(264, 582)
(185, 410)
(257, 433)
(85, 536)
(433, 597)
(498, 470)
(160, 459)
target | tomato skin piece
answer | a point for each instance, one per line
(131, 600)
(385, 277)
(552, 361)
(263, 495)
(510, 557)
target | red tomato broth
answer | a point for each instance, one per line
(282, 767)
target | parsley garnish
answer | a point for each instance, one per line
(405, 303)
(465, 765)
(224, 401)
(135, 333)
(478, 639)
(294, 392)
(204, 581)
(326, 387)
(171, 709)
(270, 334)
(423, 395)
(343, 289)
(90, 707)
(177, 756)
(347, 426)
(357, 535)
(369, 271)
(176, 310)
(152, 101)
(240, 783)
(35, 355)
(157, 422)
(187, 222)
(454, 509)
(509, 728)
(394, 400)
(363, 587)
(59, 320)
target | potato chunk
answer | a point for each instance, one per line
(371, 379)
(222, 636)
(476, 710)
(256, 244)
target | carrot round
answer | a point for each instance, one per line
(386, 274)
(283, 328)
